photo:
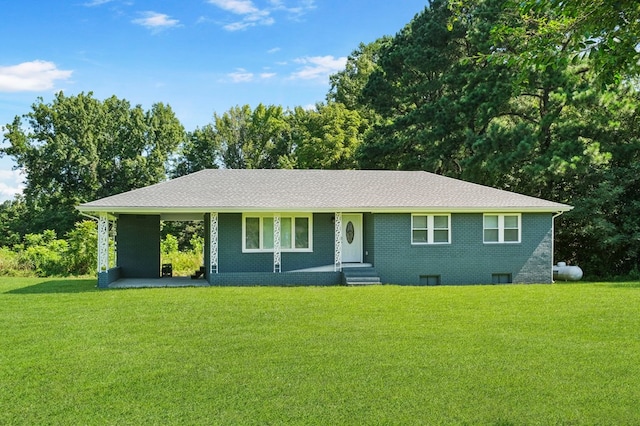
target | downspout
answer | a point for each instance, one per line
(553, 240)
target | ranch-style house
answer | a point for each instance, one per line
(330, 227)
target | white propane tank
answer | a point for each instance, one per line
(563, 272)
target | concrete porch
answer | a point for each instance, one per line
(158, 282)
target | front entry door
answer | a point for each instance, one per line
(351, 238)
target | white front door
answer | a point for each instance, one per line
(351, 238)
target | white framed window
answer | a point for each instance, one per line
(295, 232)
(502, 228)
(430, 229)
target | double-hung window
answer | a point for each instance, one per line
(430, 229)
(295, 233)
(502, 228)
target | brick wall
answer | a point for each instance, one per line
(467, 260)
(138, 241)
(369, 240)
(281, 279)
(106, 278)
(232, 259)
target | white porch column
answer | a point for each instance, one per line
(338, 242)
(277, 265)
(213, 243)
(103, 243)
(113, 236)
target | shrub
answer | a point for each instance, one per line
(11, 265)
(45, 254)
(169, 244)
(186, 262)
(82, 254)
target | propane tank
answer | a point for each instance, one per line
(563, 272)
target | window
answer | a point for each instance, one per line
(501, 278)
(429, 279)
(430, 229)
(502, 228)
(295, 233)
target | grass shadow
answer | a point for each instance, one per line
(57, 286)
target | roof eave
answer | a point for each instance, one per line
(357, 209)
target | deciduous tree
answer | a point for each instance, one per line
(251, 139)
(326, 137)
(79, 148)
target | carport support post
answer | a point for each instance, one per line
(103, 250)
(213, 243)
(338, 242)
(277, 258)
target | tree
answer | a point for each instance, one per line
(529, 33)
(450, 103)
(252, 139)
(200, 150)
(78, 148)
(432, 99)
(12, 221)
(346, 86)
(326, 138)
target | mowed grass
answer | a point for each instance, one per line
(496, 355)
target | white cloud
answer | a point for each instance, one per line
(156, 21)
(11, 183)
(240, 76)
(302, 7)
(318, 67)
(274, 50)
(237, 26)
(251, 15)
(93, 3)
(31, 76)
(239, 7)
(204, 20)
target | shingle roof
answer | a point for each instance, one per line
(317, 190)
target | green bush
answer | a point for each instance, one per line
(45, 255)
(186, 262)
(169, 244)
(11, 264)
(82, 255)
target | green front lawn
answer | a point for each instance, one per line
(499, 355)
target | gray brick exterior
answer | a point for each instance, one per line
(138, 242)
(232, 259)
(387, 246)
(467, 260)
(270, 278)
(106, 278)
(368, 231)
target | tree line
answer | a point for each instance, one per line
(538, 97)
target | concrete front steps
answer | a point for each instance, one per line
(359, 274)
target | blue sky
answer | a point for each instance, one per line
(198, 56)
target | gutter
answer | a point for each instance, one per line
(89, 216)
